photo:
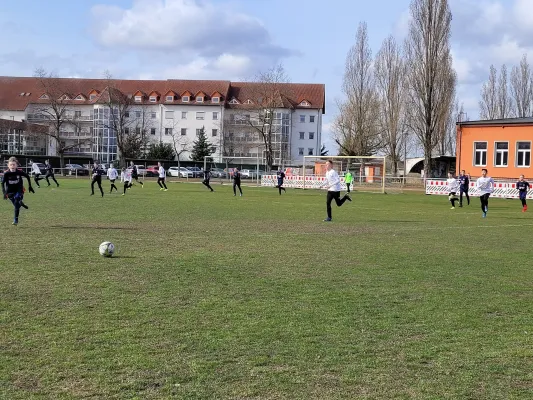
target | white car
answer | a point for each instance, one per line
(180, 172)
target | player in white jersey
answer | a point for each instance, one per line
(485, 184)
(112, 175)
(453, 188)
(125, 177)
(333, 183)
(162, 177)
(36, 171)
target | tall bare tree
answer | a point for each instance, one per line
(488, 104)
(505, 101)
(522, 88)
(356, 130)
(390, 83)
(430, 75)
(180, 143)
(56, 109)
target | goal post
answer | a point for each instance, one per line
(368, 171)
(221, 167)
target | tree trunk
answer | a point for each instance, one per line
(62, 163)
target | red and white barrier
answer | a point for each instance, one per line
(504, 190)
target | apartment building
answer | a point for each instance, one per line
(85, 111)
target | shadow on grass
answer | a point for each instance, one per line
(93, 227)
(382, 221)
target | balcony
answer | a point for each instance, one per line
(75, 135)
(38, 117)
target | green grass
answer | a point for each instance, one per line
(216, 297)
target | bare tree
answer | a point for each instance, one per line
(56, 109)
(522, 88)
(430, 75)
(258, 117)
(505, 101)
(180, 143)
(390, 83)
(355, 127)
(488, 105)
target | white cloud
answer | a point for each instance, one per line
(523, 13)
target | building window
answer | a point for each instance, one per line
(523, 156)
(127, 114)
(312, 118)
(214, 132)
(302, 135)
(501, 154)
(184, 115)
(183, 131)
(153, 115)
(199, 99)
(152, 131)
(301, 151)
(200, 115)
(302, 118)
(168, 131)
(137, 114)
(153, 99)
(138, 99)
(480, 154)
(170, 98)
(185, 99)
(215, 100)
(138, 130)
(77, 114)
(198, 130)
(92, 96)
(169, 114)
(215, 116)
(310, 151)
(127, 131)
(311, 135)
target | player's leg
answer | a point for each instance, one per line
(54, 179)
(452, 199)
(16, 199)
(338, 200)
(36, 179)
(159, 183)
(46, 178)
(93, 181)
(461, 191)
(329, 199)
(99, 182)
(234, 189)
(164, 183)
(209, 186)
(239, 186)
(467, 197)
(348, 187)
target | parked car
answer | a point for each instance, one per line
(180, 172)
(196, 172)
(152, 170)
(76, 169)
(218, 173)
(250, 173)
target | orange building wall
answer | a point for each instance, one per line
(467, 135)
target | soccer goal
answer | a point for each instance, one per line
(222, 168)
(368, 172)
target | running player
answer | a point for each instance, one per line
(125, 176)
(36, 173)
(112, 175)
(281, 177)
(453, 188)
(236, 181)
(207, 177)
(485, 184)
(523, 188)
(135, 174)
(13, 187)
(97, 178)
(333, 184)
(464, 181)
(162, 177)
(348, 179)
(50, 173)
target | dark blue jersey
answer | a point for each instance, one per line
(464, 181)
(281, 175)
(97, 171)
(237, 176)
(134, 173)
(12, 182)
(522, 186)
(207, 175)
(49, 169)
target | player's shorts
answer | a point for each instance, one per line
(19, 196)
(523, 195)
(452, 195)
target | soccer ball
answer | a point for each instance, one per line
(106, 249)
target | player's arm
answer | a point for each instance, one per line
(30, 188)
(4, 186)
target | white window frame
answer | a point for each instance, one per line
(199, 99)
(302, 118)
(312, 119)
(311, 135)
(215, 100)
(153, 99)
(215, 115)
(481, 150)
(310, 151)
(153, 115)
(302, 135)
(497, 151)
(185, 99)
(234, 101)
(138, 99)
(184, 115)
(200, 115)
(301, 151)
(183, 132)
(92, 96)
(153, 131)
(523, 151)
(168, 131)
(169, 99)
(169, 114)
(214, 132)
(137, 114)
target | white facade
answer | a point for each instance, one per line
(306, 135)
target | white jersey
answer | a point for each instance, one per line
(125, 176)
(112, 174)
(35, 169)
(162, 172)
(453, 185)
(334, 182)
(485, 185)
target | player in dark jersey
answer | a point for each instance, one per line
(49, 173)
(523, 188)
(97, 178)
(135, 174)
(13, 187)
(464, 184)
(281, 177)
(207, 177)
(237, 181)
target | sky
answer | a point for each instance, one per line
(236, 39)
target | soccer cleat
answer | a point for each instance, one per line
(165, 190)
(15, 222)
(327, 220)
(123, 194)
(161, 189)
(484, 215)
(453, 208)
(240, 195)
(460, 206)
(347, 196)
(525, 207)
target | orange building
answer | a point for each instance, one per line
(501, 146)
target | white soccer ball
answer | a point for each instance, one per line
(106, 249)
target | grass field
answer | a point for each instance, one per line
(215, 297)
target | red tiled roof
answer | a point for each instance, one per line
(12, 88)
